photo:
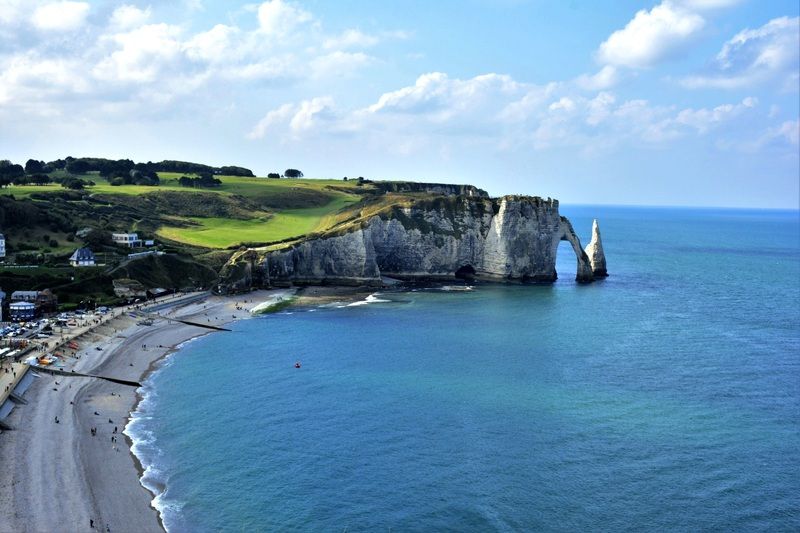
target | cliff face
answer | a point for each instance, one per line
(513, 238)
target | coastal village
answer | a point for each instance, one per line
(37, 331)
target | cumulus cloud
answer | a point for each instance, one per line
(61, 16)
(142, 54)
(438, 94)
(128, 59)
(755, 56)
(704, 119)
(351, 39)
(128, 16)
(651, 36)
(501, 113)
(296, 118)
(215, 45)
(277, 17)
(339, 64)
(701, 5)
(605, 78)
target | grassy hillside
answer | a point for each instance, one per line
(213, 232)
(241, 210)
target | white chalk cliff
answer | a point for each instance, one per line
(512, 238)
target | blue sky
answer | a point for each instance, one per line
(678, 102)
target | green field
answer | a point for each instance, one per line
(223, 232)
(250, 187)
(295, 206)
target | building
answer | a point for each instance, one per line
(2, 304)
(82, 257)
(44, 301)
(2, 246)
(131, 240)
(24, 296)
(22, 311)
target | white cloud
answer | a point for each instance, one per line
(62, 16)
(127, 16)
(704, 119)
(277, 17)
(651, 36)
(495, 112)
(214, 45)
(702, 5)
(564, 104)
(31, 78)
(338, 64)
(350, 39)
(788, 131)
(437, 93)
(599, 108)
(309, 112)
(297, 119)
(606, 77)
(755, 56)
(11, 11)
(276, 116)
(141, 55)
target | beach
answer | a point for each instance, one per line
(59, 476)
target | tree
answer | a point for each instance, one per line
(273, 175)
(33, 166)
(10, 170)
(76, 184)
(40, 179)
(98, 238)
(235, 171)
(78, 166)
(292, 173)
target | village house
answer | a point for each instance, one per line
(44, 301)
(82, 257)
(131, 240)
(2, 246)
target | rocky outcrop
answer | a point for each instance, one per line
(446, 189)
(594, 250)
(513, 238)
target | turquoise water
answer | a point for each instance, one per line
(665, 397)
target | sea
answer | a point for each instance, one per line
(663, 398)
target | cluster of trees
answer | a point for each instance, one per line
(133, 177)
(76, 184)
(108, 167)
(9, 171)
(288, 173)
(204, 180)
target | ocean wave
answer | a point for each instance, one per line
(371, 299)
(144, 445)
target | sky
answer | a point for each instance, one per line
(678, 102)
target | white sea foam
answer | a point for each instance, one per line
(371, 299)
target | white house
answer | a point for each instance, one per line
(2, 245)
(82, 257)
(131, 240)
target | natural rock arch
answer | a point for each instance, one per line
(584, 271)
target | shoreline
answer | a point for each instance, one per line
(59, 475)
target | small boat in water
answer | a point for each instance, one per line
(297, 364)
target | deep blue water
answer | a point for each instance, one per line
(665, 397)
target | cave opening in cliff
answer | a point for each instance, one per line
(466, 272)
